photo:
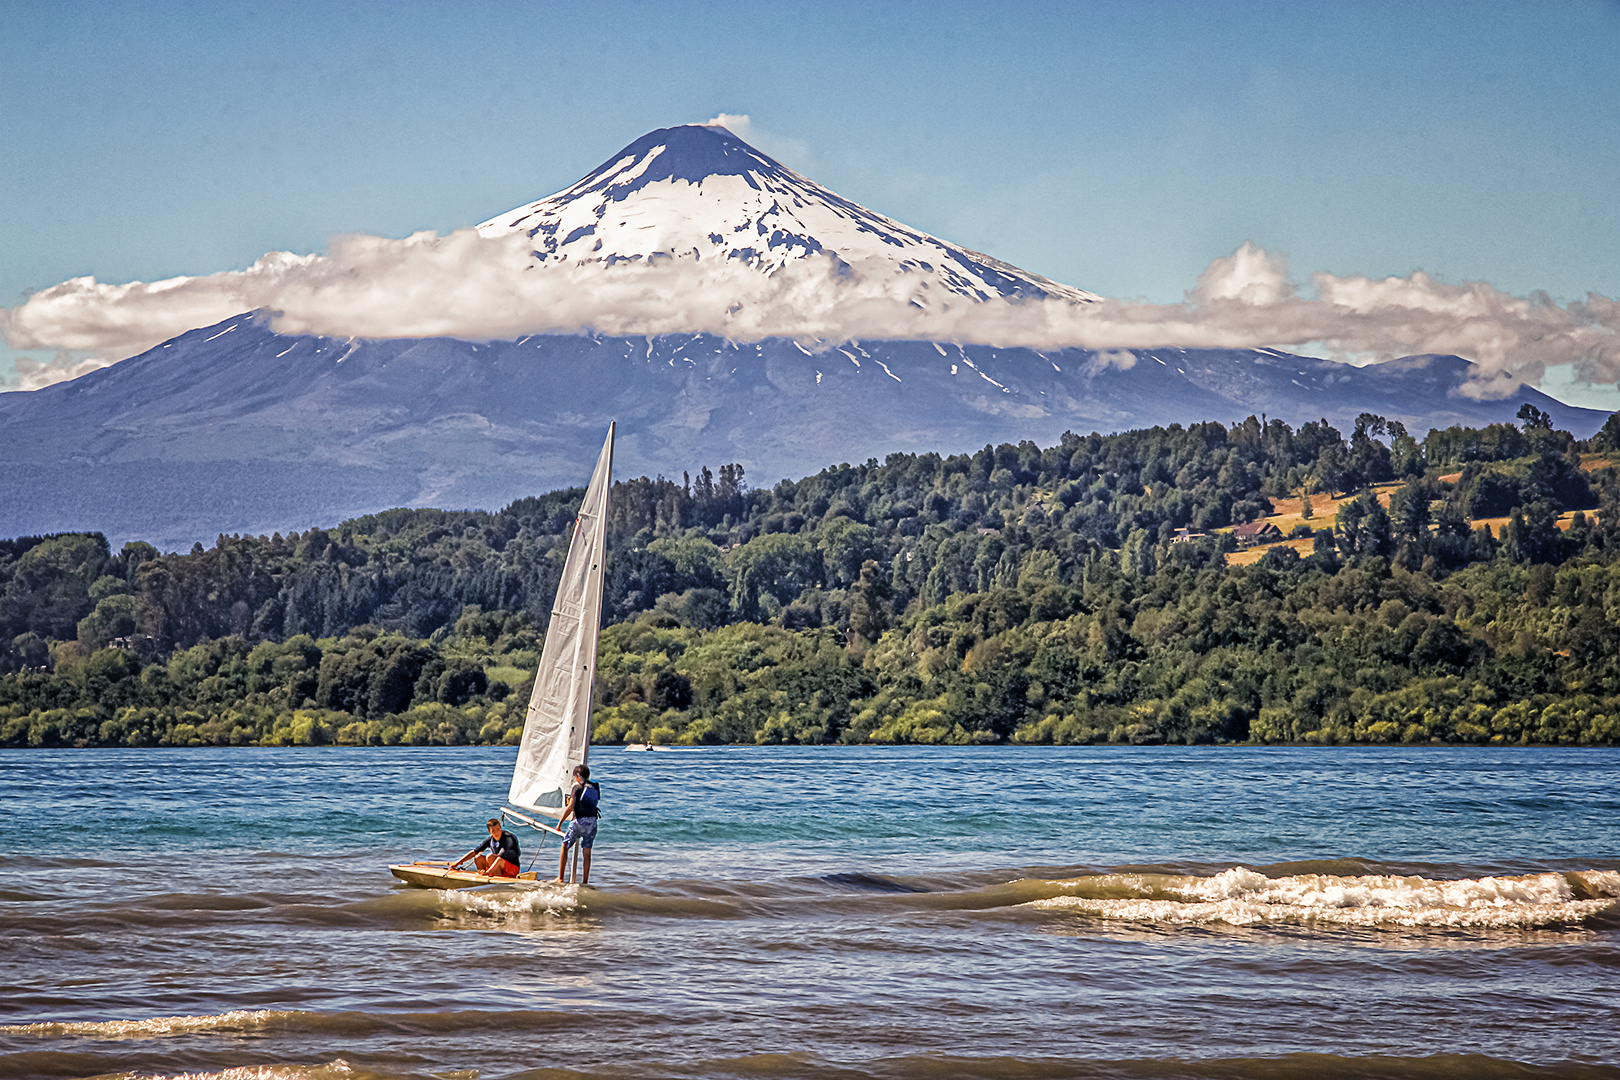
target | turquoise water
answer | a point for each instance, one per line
(996, 911)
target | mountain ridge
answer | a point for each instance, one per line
(236, 428)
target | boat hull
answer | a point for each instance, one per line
(439, 876)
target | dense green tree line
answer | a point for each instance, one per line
(1316, 652)
(1023, 593)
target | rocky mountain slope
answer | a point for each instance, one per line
(232, 428)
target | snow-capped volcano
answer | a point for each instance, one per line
(698, 192)
(721, 307)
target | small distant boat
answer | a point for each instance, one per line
(643, 746)
(557, 727)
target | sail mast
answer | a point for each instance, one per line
(600, 577)
(557, 727)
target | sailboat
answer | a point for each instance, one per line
(557, 727)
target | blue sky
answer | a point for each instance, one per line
(1119, 147)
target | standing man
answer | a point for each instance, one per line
(582, 801)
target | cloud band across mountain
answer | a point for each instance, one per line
(474, 286)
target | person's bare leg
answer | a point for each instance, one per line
(562, 865)
(482, 862)
(585, 877)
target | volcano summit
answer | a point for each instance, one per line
(684, 288)
(696, 193)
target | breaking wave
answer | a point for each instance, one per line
(151, 1027)
(1244, 897)
(505, 902)
(333, 1070)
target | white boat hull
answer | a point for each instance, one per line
(440, 876)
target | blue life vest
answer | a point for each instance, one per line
(590, 793)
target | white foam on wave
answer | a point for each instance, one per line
(545, 899)
(148, 1028)
(1243, 897)
(332, 1070)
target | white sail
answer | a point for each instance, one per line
(557, 729)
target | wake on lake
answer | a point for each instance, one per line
(818, 912)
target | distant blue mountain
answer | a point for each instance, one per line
(232, 428)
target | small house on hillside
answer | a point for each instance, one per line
(1256, 532)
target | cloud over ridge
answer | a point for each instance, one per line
(467, 285)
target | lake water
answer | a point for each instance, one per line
(1009, 912)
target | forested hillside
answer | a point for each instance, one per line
(1074, 593)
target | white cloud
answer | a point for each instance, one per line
(1250, 274)
(469, 286)
(33, 374)
(739, 124)
(790, 152)
(1123, 359)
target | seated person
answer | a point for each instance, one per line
(503, 857)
